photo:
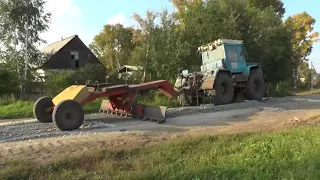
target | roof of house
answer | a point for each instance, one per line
(55, 47)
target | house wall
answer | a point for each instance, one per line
(63, 58)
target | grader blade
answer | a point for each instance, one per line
(155, 113)
(138, 111)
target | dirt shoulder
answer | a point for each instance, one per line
(44, 149)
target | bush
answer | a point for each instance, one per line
(9, 82)
(7, 99)
(59, 81)
(156, 98)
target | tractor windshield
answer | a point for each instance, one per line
(213, 55)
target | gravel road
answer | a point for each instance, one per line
(28, 130)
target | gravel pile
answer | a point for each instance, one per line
(35, 130)
(18, 131)
(176, 112)
(274, 109)
(275, 101)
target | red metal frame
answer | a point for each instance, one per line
(121, 97)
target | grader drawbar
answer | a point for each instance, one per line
(66, 112)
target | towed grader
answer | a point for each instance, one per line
(65, 110)
(224, 70)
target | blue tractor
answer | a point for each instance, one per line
(224, 75)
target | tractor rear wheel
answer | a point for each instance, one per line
(224, 89)
(68, 115)
(40, 109)
(255, 88)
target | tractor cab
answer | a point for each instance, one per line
(224, 54)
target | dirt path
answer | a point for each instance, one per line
(281, 115)
(42, 150)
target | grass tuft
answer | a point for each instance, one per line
(18, 109)
(291, 154)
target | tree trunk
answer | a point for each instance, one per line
(295, 77)
(144, 79)
(20, 81)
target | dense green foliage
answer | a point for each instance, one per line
(21, 23)
(166, 43)
(292, 154)
(57, 82)
(9, 84)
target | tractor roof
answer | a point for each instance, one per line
(219, 42)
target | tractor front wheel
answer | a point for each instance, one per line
(68, 115)
(224, 89)
(255, 89)
(41, 109)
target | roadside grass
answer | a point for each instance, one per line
(154, 98)
(308, 92)
(289, 154)
(18, 109)
(11, 108)
(24, 109)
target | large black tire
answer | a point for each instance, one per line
(40, 109)
(255, 88)
(224, 89)
(68, 115)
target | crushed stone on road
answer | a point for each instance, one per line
(175, 112)
(28, 130)
(36, 130)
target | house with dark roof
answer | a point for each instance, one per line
(69, 53)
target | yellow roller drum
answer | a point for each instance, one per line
(77, 93)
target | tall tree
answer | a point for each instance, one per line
(277, 5)
(21, 23)
(147, 27)
(113, 45)
(169, 48)
(303, 38)
(182, 6)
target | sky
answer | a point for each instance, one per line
(87, 18)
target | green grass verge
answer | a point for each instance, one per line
(156, 99)
(18, 109)
(308, 92)
(10, 108)
(24, 109)
(292, 154)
